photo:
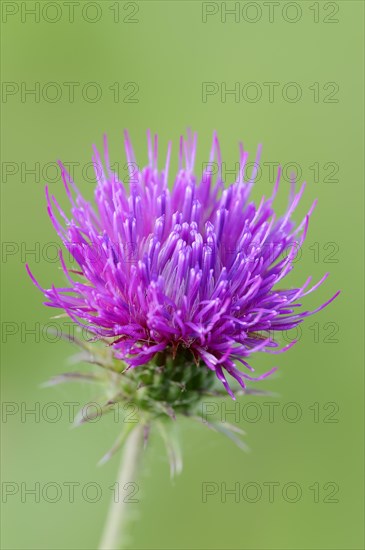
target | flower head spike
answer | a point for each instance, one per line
(179, 285)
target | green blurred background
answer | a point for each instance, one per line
(168, 52)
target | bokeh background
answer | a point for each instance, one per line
(149, 61)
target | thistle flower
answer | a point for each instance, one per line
(177, 287)
(180, 284)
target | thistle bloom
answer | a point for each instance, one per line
(191, 272)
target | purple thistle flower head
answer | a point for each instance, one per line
(180, 277)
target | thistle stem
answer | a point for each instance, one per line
(118, 516)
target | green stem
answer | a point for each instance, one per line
(119, 512)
